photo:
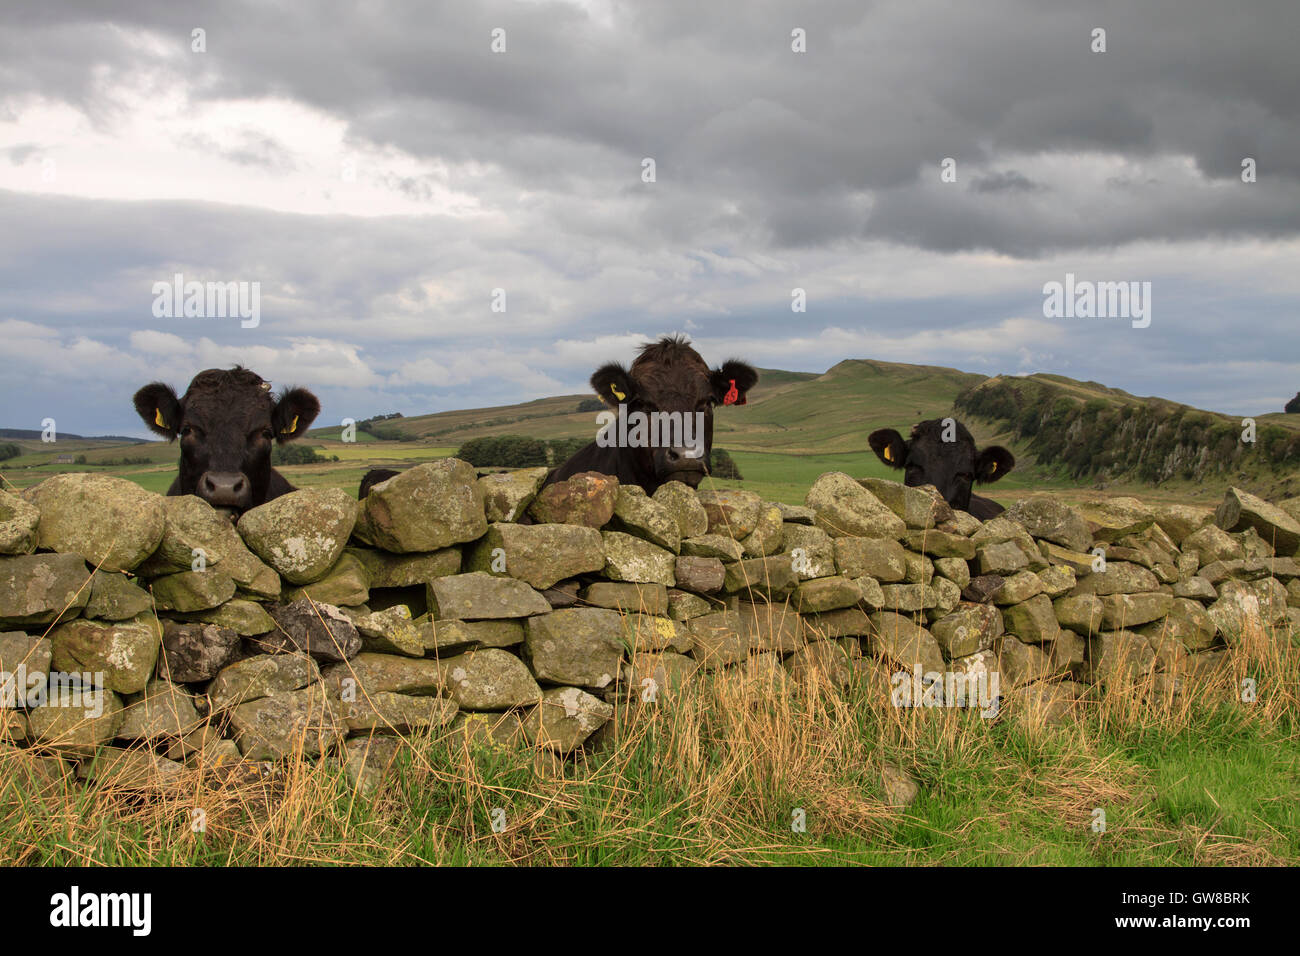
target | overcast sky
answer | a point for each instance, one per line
(379, 170)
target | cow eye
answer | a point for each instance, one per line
(187, 431)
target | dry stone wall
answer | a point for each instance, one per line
(151, 631)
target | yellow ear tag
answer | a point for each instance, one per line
(617, 394)
(993, 467)
(292, 425)
(158, 419)
(889, 454)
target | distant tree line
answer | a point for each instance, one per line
(298, 455)
(1293, 406)
(1153, 441)
(9, 450)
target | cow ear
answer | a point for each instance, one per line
(732, 381)
(888, 446)
(613, 384)
(293, 414)
(160, 409)
(992, 463)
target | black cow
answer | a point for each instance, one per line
(952, 466)
(667, 376)
(227, 422)
(373, 477)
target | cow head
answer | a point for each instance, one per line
(951, 465)
(227, 422)
(669, 376)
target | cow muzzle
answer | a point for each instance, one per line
(680, 463)
(225, 489)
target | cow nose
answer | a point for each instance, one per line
(225, 489)
(681, 458)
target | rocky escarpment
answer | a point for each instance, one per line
(150, 632)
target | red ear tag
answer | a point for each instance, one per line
(732, 395)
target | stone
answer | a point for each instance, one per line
(285, 723)
(713, 546)
(1066, 654)
(705, 575)
(384, 570)
(1020, 663)
(426, 508)
(76, 720)
(796, 514)
(649, 632)
(1195, 587)
(899, 787)
(478, 596)
(1188, 623)
(919, 568)
(578, 646)
(1236, 613)
(1043, 703)
(766, 537)
(845, 508)
(940, 544)
(827, 594)
(1120, 577)
(368, 762)
(908, 597)
(731, 513)
(1241, 510)
(162, 710)
(1002, 558)
(961, 522)
(1032, 621)
(507, 494)
(879, 558)
(1129, 610)
(1115, 657)
(682, 606)
(586, 498)
(873, 593)
(1045, 517)
(683, 506)
(772, 627)
(19, 524)
(111, 522)
(921, 507)
(1080, 613)
(1018, 587)
(1240, 569)
(658, 676)
(1113, 518)
(319, 630)
(811, 549)
(563, 594)
(832, 625)
(896, 638)
(637, 514)
(628, 558)
(260, 676)
(388, 631)
(1212, 543)
(26, 659)
(623, 596)
(37, 589)
(1179, 521)
(486, 731)
(982, 588)
(1057, 580)
(196, 652)
(193, 531)
(821, 661)
(771, 577)
(1081, 562)
(347, 583)
(115, 597)
(488, 679)
(947, 595)
(954, 569)
(302, 534)
(967, 630)
(438, 635)
(538, 554)
(246, 618)
(717, 639)
(370, 673)
(132, 769)
(124, 652)
(565, 718)
(189, 591)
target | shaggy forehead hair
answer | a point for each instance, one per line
(933, 428)
(214, 380)
(661, 364)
